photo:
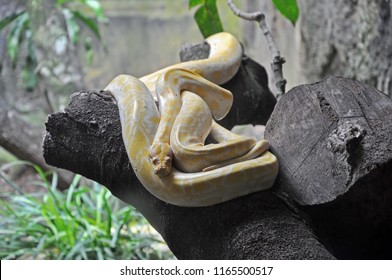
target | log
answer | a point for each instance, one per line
(333, 140)
(86, 138)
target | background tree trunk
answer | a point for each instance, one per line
(23, 110)
(350, 38)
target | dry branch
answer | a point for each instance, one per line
(277, 60)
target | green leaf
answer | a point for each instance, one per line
(7, 20)
(42, 175)
(11, 183)
(288, 8)
(72, 26)
(108, 213)
(96, 7)
(207, 17)
(194, 3)
(14, 38)
(89, 22)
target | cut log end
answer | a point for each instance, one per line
(333, 140)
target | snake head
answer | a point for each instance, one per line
(161, 158)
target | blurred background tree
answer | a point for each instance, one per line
(42, 42)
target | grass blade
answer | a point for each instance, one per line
(7, 20)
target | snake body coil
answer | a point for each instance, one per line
(189, 98)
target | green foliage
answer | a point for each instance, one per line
(76, 14)
(85, 12)
(20, 30)
(206, 16)
(288, 8)
(20, 27)
(76, 224)
(208, 20)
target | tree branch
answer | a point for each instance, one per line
(86, 138)
(277, 61)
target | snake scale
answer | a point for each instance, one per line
(166, 147)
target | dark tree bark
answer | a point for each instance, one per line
(333, 140)
(86, 138)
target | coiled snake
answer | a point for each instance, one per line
(188, 97)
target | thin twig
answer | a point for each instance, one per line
(277, 61)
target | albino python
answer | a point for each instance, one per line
(202, 174)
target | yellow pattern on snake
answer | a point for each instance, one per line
(189, 98)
